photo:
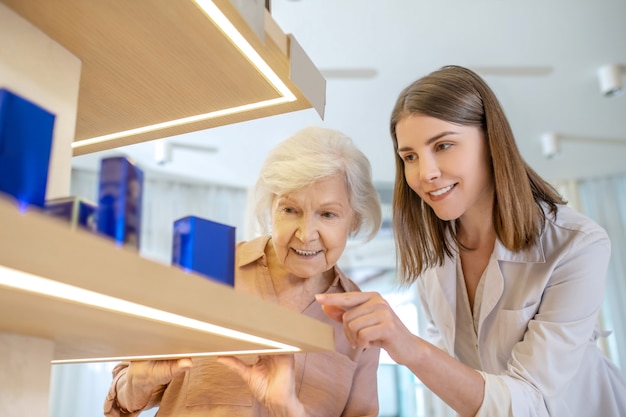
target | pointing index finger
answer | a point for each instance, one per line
(345, 300)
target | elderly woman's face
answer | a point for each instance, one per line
(310, 227)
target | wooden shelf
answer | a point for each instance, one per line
(42, 246)
(145, 63)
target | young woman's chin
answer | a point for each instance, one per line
(446, 214)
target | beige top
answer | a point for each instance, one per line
(340, 383)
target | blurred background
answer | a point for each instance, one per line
(543, 60)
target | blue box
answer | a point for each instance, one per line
(25, 145)
(77, 211)
(205, 247)
(120, 191)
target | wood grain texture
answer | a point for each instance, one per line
(43, 246)
(145, 63)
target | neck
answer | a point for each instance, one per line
(476, 234)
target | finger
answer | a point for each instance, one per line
(350, 336)
(233, 363)
(359, 322)
(368, 337)
(183, 364)
(344, 300)
(334, 312)
(172, 368)
(375, 306)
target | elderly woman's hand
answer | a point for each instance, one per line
(272, 381)
(143, 377)
(154, 373)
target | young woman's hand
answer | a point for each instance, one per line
(368, 320)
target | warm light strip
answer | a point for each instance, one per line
(176, 356)
(31, 283)
(222, 22)
(246, 49)
(190, 119)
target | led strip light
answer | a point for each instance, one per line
(229, 30)
(24, 281)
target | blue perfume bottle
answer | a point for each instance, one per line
(26, 132)
(120, 192)
(77, 211)
(205, 247)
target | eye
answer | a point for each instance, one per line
(288, 210)
(408, 157)
(442, 146)
(328, 214)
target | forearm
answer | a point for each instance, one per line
(458, 385)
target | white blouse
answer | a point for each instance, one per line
(535, 324)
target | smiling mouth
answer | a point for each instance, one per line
(306, 252)
(441, 191)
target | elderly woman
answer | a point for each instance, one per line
(314, 191)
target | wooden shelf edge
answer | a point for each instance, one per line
(36, 244)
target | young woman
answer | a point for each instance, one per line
(510, 278)
(314, 191)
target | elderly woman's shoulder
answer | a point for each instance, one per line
(345, 282)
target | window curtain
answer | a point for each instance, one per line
(604, 200)
(78, 390)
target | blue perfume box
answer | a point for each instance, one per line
(205, 247)
(25, 145)
(77, 211)
(120, 192)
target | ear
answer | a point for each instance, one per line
(356, 220)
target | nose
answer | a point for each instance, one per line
(307, 229)
(429, 168)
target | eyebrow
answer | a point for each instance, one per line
(429, 141)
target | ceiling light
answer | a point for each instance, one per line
(164, 150)
(551, 142)
(550, 145)
(610, 78)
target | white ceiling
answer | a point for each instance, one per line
(405, 39)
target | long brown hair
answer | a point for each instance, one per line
(458, 95)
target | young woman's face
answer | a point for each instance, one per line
(446, 164)
(310, 227)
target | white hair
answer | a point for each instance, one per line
(312, 154)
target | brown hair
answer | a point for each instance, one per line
(458, 95)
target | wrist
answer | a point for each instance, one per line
(292, 409)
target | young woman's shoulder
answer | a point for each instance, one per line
(568, 218)
(572, 228)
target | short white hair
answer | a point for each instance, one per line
(312, 154)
